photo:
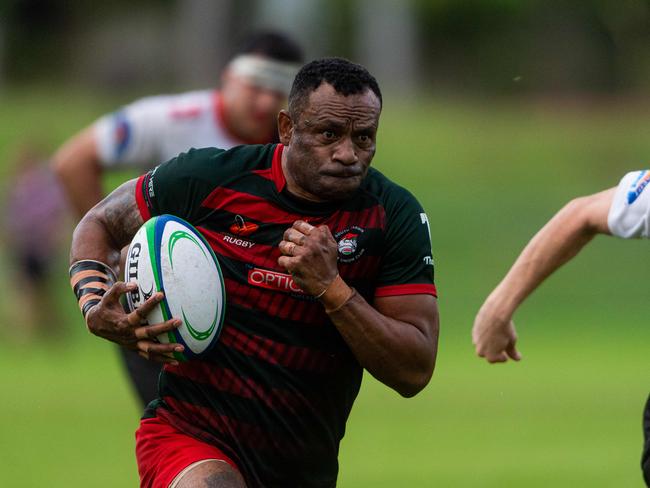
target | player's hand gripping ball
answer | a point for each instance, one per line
(167, 254)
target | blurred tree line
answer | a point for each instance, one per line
(471, 46)
(537, 45)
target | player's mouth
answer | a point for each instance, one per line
(347, 173)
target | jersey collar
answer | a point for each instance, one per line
(276, 169)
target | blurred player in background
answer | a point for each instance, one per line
(254, 87)
(34, 214)
(623, 211)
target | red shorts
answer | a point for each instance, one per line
(163, 452)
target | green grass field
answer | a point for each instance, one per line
(489, 174)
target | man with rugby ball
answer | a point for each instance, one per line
(330, 273)
(254, 87)
(623, 211)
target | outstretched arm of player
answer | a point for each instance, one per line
(396, 340)
(105, 229)
(494, 334)
(77, 165)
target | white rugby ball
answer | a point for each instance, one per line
(167, 254)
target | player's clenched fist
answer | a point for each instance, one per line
(309, 253)
(494, 337)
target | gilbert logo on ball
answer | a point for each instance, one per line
(167, 254)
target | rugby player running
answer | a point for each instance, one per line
(622, 211)
(254, 87)
(268, 405)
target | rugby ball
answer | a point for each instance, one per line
(167, 254)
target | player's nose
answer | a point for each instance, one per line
(345, 152)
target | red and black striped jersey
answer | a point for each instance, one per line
(276, 391)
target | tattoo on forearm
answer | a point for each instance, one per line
(121, 215)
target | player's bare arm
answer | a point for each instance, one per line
(104, 230)
(396, 340)
(574, 226)
(78, 168)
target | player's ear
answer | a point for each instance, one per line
(285, 127)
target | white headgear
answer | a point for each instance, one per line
(264, 72)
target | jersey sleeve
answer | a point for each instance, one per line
(131, 136)
(407, 265)
(180, 185)
(630, 211)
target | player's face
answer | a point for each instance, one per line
(251, 110)
(331, 145)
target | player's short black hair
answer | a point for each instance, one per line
(274, 45)
(346, 77)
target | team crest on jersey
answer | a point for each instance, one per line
(348, 244)
(638, 186)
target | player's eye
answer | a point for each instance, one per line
(364, 139)
(328, 134)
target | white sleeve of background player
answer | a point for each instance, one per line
(630, 211)
(131, 136)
